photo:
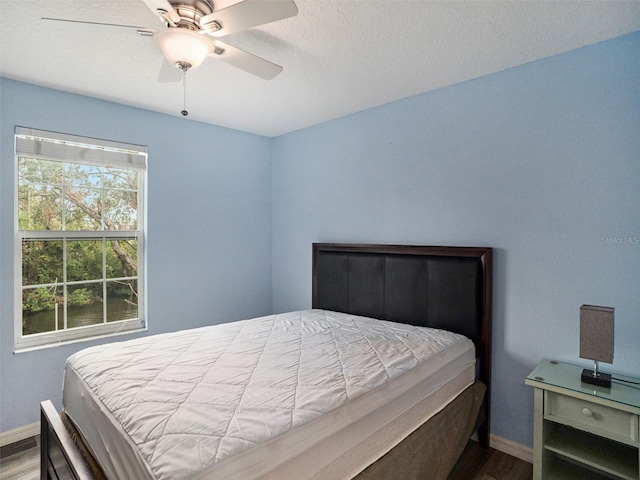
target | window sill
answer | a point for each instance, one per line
(52, 340)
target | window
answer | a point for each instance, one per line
(80, 238)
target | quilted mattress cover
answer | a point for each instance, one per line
(309, 394)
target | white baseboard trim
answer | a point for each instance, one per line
(20, 433)
(511, 448)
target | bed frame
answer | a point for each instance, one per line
(440, 287)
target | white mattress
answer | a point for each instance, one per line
(311, 394)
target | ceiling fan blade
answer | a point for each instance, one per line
(169, 73)
(91, 26)
(247, 14)
(164, 9)
(245, 61)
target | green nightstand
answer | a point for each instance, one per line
(583, 431)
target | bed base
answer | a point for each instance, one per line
(430, 452)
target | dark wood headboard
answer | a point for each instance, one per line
(439, 287)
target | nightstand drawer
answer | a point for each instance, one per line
(604, 421)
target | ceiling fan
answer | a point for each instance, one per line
(193, 29)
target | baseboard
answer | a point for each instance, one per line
(20, 433)
(511, 448)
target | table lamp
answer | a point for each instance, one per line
(596, 342)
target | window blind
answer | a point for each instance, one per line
(70, 148)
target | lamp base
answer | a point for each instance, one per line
(600, 379)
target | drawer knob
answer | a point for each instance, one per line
(586, 412)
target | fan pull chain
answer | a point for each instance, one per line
(184, 101)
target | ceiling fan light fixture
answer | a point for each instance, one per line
(181, 46)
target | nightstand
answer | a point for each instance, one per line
(583, 431)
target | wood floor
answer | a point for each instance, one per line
(21, 461)
(477, 463)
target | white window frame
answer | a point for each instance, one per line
(88, 151)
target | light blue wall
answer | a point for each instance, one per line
(540, 162)
(209, 226)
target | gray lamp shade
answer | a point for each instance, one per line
(596, 333)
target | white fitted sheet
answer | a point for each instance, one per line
(311, 394)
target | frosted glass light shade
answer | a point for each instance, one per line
(180, 45)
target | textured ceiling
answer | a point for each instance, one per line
(339, 56)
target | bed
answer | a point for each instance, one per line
(404, 410)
